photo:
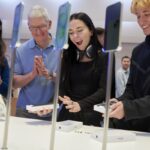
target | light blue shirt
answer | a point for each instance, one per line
(40, 90)
(121, 81)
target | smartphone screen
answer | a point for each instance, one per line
(112, 27)
(17, 23)
(62, 25)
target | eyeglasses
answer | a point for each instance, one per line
(41, 28)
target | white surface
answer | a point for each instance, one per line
(68, 125)
(29, 134)
(115, 136)
(32, 108)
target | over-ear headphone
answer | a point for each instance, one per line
(89, 52)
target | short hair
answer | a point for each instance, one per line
(38, 11)
(99, 30)
(125, 57)
(136, 4)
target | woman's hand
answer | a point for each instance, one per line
(70, 105)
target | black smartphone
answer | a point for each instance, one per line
(112, 27)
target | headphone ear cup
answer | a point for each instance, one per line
(89, 51)
(78, 55)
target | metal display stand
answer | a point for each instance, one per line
(14, 46)
(60, 43)
(108, 92)
(111, 45)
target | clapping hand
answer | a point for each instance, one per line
(42, 70)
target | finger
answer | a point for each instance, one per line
(112, 101)
(61, 98)
(65, 100)
(67, 97)
(33, 112)
(40, 113)
(69, 107)
(114, 106)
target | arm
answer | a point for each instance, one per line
(139, 108)
(22, 80)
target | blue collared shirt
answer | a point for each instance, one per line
(40, 90)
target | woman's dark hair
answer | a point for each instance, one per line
(100, 31)
(94, 42)
(2, 46)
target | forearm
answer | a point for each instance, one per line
(22, 80)
(137, 108)
(95, 98)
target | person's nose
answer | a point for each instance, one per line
(75, 35)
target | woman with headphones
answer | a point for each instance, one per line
(83, 75)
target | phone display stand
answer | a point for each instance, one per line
(111, 45)
(115, 136)
(68, 125)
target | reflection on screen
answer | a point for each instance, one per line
(62, 25)
(112, 27)
(16, 25)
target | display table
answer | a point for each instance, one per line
(30, 134)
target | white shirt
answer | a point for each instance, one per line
(121, 80)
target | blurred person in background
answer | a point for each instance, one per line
(4, 67)
(122, 75)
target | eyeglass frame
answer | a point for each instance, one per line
(35, 28)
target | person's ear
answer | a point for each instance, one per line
(49, 24)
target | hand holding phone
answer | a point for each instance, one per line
(101, 107)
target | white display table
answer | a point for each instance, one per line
(29, 134)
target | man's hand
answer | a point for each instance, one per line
(42, 70)
(70, 105)
(117, 110)
(38, 60)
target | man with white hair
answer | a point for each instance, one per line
(35, 60)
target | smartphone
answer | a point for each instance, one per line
(112, 27)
